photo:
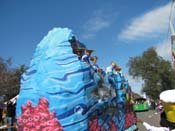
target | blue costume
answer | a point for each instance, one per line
(85, 58)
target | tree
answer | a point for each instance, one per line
(9, 78)
(156, 72)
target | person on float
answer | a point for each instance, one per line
(110, 71)
(94, 63)
(121, 87)
(80, 52)
(118, 70)
(86, 56)
(96, 68)
(119, 74)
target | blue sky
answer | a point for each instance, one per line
(115, 29)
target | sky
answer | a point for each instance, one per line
(116, 29)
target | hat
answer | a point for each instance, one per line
(88, 50)
(79, 49)
(93, 58)
(118, 68)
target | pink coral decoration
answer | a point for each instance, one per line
(38, 118)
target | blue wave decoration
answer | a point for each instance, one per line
(52, 54)
(72, 111)
(67, 63)
(71, 73)
(71, 92)
(56, 74)
(26, 88)
(31, 72)
(69, 57)
(95, 111)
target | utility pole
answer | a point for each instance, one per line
(173, 51)
(171, 26)
(172, 45)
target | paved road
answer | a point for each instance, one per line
(149, 117)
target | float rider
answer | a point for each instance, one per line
(86, 56)
(94, 63)
(79, 52)
(110, 71)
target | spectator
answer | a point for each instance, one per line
(4, 115)
(1, 120)
(10, 114)
(1, 108)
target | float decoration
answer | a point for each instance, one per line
(38, 118)
(59, 91)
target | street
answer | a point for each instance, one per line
(150, 117)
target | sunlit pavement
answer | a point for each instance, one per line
(150, 117)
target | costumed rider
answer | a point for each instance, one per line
(121, 87)
(79, 52)
(118, 70)
(110, 71)
(95, 66)
(124, 83)
(86, 56)
(94, 63)
(97, 72)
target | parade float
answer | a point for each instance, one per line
(140, 104)
(60, 92)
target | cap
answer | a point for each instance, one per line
(88, 50)
(93, 58)
(79, 49)
(118, 68)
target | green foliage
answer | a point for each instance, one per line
(156, 72)
(9, 78)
